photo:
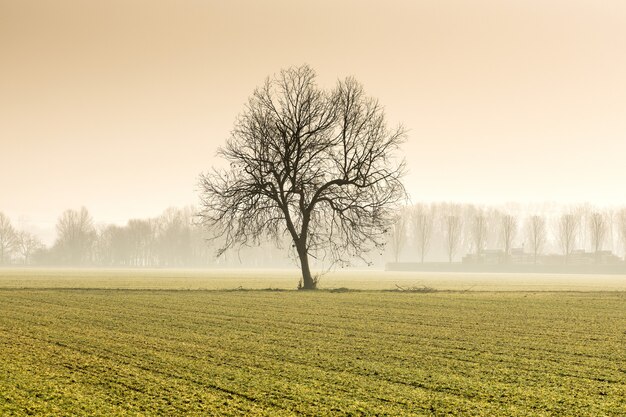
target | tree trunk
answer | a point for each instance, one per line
(307, 280)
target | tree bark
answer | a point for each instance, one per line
(307, 280)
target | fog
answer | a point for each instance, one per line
(101, 107)
(557, 238)
(279, 207)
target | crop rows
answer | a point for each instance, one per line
(114, 352)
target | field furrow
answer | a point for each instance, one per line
(115, 352)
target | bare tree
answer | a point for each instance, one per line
(610, 216)
(452, 227)
(76, 235)
(567, 229)
(597, 231)
(8, 239)
(536, 233)
(114, 246)
(423, 219)
(621, 224)
(398, 235)
(174, 237)
(171, 240)
(27, 244)
(508, 230)
(319, 166)
(142, 237)
(479, 231)
(582, 213)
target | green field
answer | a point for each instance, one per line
(225, 279)
(113, 343)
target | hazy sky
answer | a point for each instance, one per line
(118, 105)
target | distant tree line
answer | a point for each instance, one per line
(423, 232)
(449, 231)
(168, 240)
(16, 244)
(171, 240)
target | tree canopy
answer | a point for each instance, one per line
(320, 166)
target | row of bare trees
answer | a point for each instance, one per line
(447, 231)
(173, 239)
(433, 232)
(170, 240)
(15, 243)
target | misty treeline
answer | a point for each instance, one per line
(169, 240)
(433, 232)
(448, 231)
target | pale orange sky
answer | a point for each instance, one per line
(119, 105)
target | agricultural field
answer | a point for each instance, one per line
(163, 343)
(229, 279)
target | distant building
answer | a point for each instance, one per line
(486, 257)
(519, 257)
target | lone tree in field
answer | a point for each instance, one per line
(318, 165)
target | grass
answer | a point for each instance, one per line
(223, 279)
(106, 351)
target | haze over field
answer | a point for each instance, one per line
(323, 208)
(284, 279)
(118, 106)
